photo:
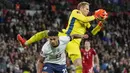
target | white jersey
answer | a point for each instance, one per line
(55, 55)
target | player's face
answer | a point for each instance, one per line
(87, 44)
(54, 41)
(85, 10)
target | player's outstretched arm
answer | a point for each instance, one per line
(98, 14)
(94, 30)
(97, 28)
(102, 14)
(79, 16)
(38, 36)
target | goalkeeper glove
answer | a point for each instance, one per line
(100, 14)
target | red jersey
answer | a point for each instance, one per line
(87, 59)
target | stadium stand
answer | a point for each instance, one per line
(113, 47)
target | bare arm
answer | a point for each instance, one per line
(96, 61)
(40, 64)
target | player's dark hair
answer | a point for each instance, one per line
(53, 32)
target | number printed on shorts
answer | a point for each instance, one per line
(64, 71)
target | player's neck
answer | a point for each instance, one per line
(87, 48)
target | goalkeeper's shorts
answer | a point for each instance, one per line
(72, 48)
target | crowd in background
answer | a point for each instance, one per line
(110, 5)
(112, 43)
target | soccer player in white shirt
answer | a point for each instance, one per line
(53, 53)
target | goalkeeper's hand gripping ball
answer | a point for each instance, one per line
(101, 14)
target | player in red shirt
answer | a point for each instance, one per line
(89, 58)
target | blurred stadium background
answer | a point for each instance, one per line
(30, 16)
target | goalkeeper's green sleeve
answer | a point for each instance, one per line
(97, 28)
(38, 36)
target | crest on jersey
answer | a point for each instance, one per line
(45, 68)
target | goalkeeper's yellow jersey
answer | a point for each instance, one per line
(78, 23)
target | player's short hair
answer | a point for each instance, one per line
(53, 32)
(82, 4)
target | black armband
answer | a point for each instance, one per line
(100, 33)
(89, 31)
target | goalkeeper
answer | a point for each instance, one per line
(77, 24)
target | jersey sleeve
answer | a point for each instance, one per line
(79, 16)
(44, 49)
(97, 28)
(65, 39)
(38, 36)
(88, 25)
(42, 54)
(81, 50)
(94, 52)
(94, 30)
